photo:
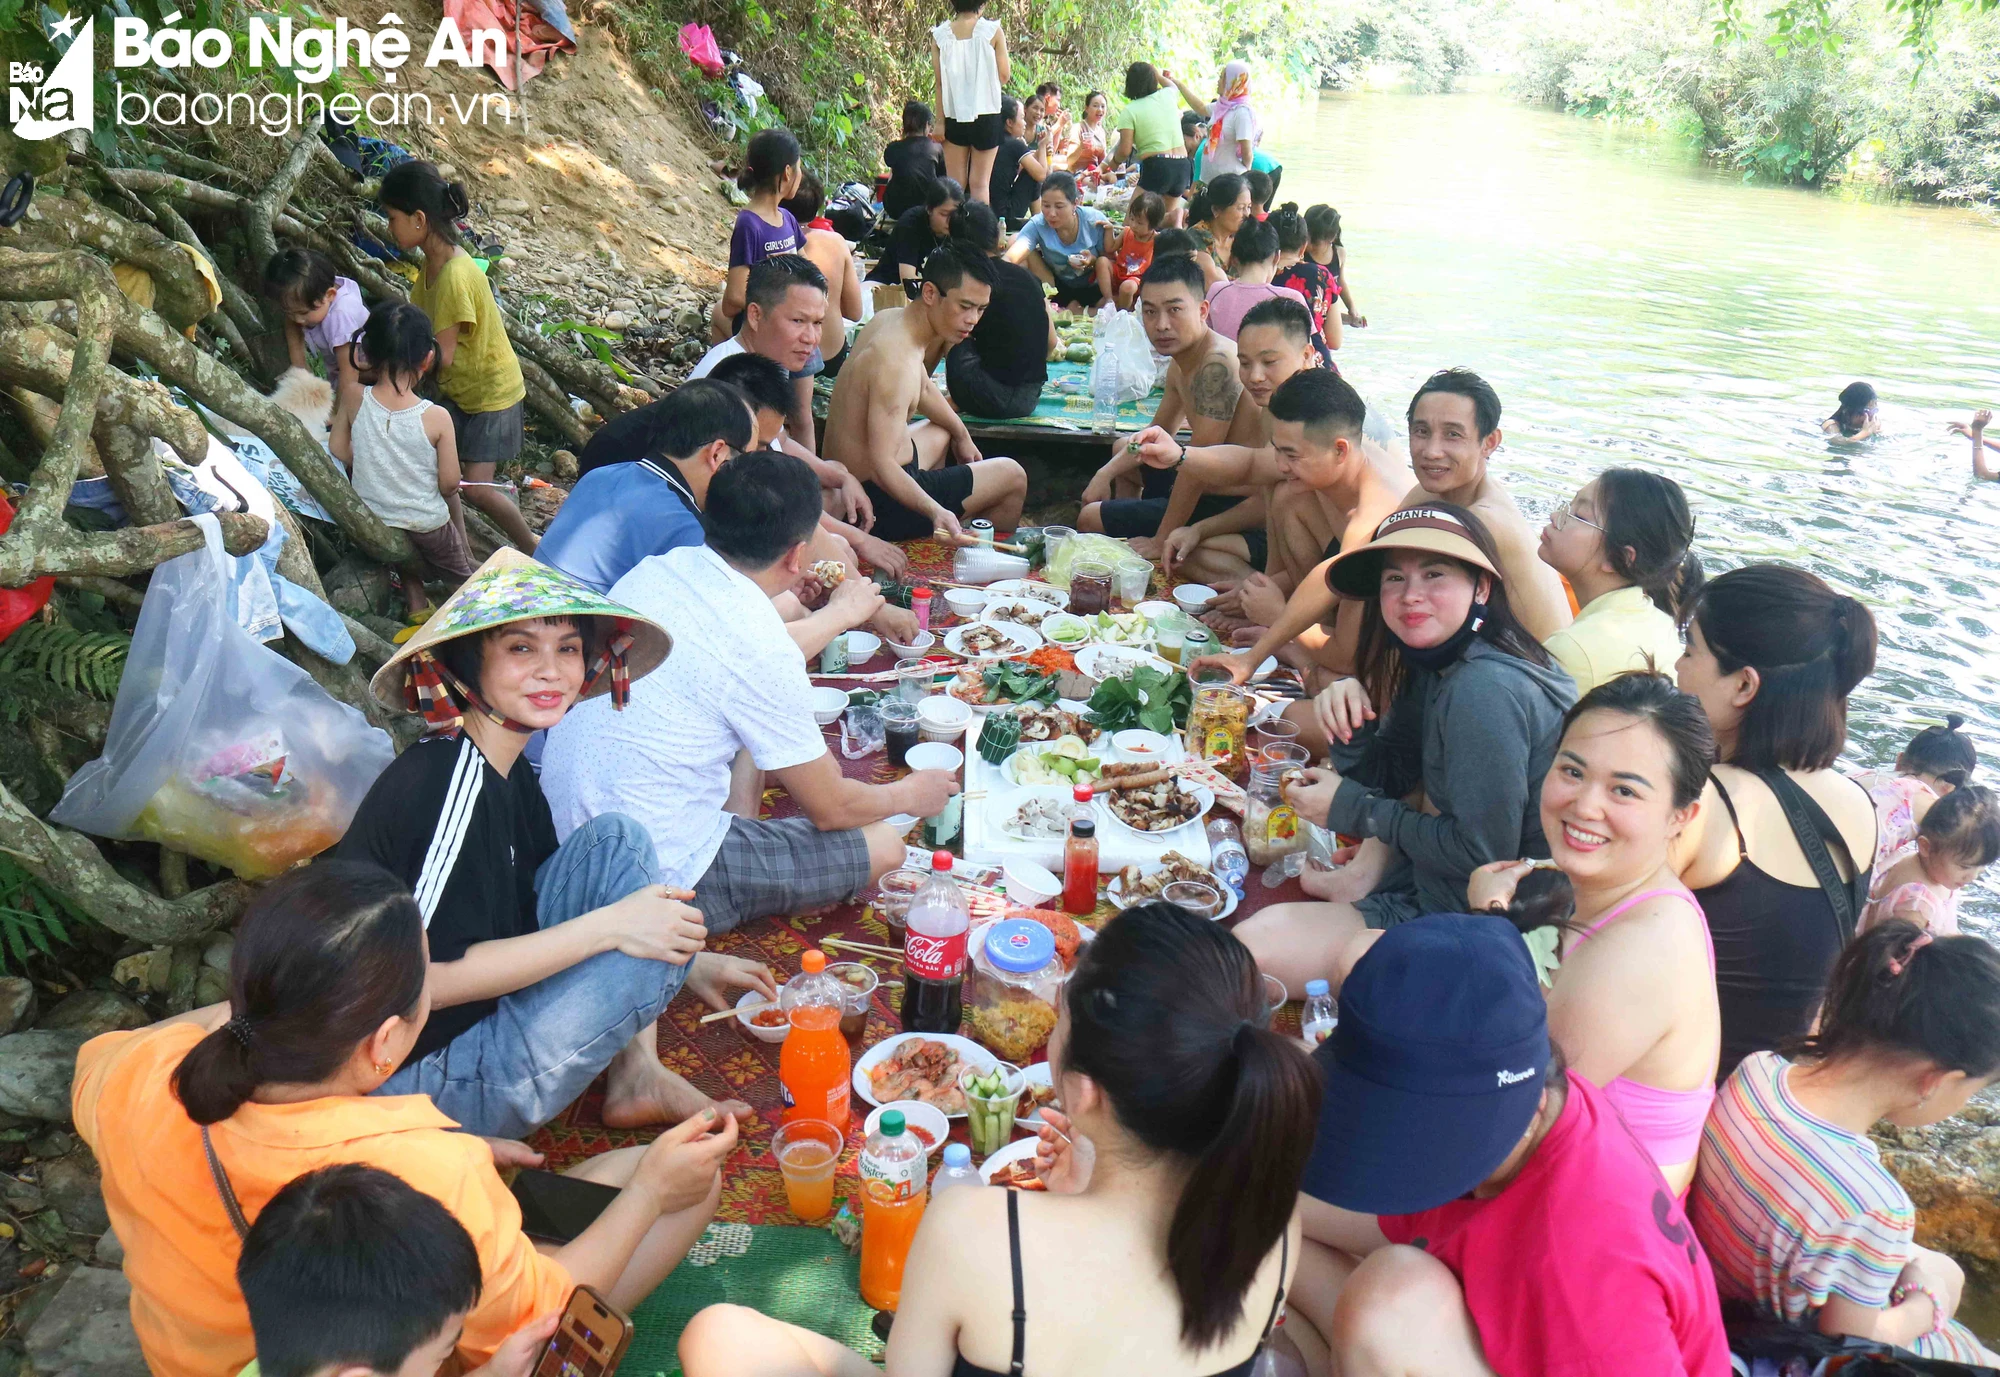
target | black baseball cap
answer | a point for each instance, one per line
(1435, 1070)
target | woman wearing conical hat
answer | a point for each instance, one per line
(549, 964)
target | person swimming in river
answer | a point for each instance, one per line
(1975, 430)
(1855, 417)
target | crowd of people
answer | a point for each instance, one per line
(1627, 965)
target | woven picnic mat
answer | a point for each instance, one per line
(798, 1275)
(725, 1061)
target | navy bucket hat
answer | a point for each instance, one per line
(1435, 1070)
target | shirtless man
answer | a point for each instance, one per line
(921, 478)
(1454, 423)
(1201, 388)
(1228, 549)
(1324, 469)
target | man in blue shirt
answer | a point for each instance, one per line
(646, 476)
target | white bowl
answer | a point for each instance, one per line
(965, 602)
(1030, 885)
(916, 1114)
(1193, 598)
(1061, 621)
(862, 646)
(828, 705)
(915, 649)
(749, 997)
(941, 716)
(934, 755)
(1139, 744)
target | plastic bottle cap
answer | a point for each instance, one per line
(923, 593)
(1020, 945)
(1316, 988)
(941, 860)
(1081, 793)
(956, 1155)
(892, 1122)
(1083, 827)
(813, 962)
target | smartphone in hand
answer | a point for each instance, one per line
(589, 1342)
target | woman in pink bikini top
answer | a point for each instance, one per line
(1633, 1001)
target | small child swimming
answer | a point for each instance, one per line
(1958, 838)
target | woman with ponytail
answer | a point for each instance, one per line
(1167, 1236)
(1622, 544)
(197, 1122)
(1779, 853)
(476, 368)
(1792, 1201)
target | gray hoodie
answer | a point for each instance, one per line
(1477, 737)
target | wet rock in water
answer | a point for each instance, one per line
(1952, 1172)
(91, 1012)
(86, 1330)
(36, 1070)
(73, 1185)
(17, 1003)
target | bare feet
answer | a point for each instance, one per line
(639, 1091)
(1246, 636)
(1223, 623)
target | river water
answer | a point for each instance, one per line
(1634, 305)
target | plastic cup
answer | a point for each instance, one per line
(1134, 577)
(1270, 732)
(989, 1119)
(1204, 901)
(893, 896)
(1276, 996)
(858, 984)
(1169, 634)
(808, 1152)
(899, 728)
(1053, 539)
(913, 685)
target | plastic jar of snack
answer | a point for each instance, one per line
(1271, 829)
(1016, 980)
(1217, 723)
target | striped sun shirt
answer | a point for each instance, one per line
(1793, 1210)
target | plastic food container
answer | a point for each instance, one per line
(1016, 980)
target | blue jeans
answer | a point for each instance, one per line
(523, 1064)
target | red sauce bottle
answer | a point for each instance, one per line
(1080, 867)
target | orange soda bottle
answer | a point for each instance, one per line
(815, 1064)
(888, 1227)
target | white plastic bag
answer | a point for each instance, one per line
(1124, 352)
(218, 746)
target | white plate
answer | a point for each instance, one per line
(1028, 588)
(1136, 635)
(1115, 892)
(1007, 1156)
(1204, 797)
(1003, 808)
(1010, 772)
(1110, 661)
(1024, 638)
(969, 1052)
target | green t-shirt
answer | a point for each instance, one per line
(1155, 122)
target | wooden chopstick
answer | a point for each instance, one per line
(744, 1009)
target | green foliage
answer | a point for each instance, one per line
(32, 916)
(43, 657)
(595, 338)
(1425, 44)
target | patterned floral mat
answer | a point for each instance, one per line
(725, 1061)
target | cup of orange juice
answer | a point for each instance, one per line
(808, 1153)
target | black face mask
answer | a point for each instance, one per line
(1452, 649)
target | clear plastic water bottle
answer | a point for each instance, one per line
(1322, 1013)
(1103, 381)
(893, 1154)
(1227, 858)
(956, 1171)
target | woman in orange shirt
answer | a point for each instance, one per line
(198, 1121)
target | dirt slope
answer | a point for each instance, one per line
(604, 199)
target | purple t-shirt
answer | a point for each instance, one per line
(756, 239)
(347, 315)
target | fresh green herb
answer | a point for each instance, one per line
(1149, 698)
(1019, 685)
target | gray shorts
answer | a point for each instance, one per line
(445, 550)
(487, 437)
(1387, 907)
(779, 865)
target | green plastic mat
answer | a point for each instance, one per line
(794, 1274)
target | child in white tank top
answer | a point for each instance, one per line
(401, 451)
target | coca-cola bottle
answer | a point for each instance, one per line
(934, 953)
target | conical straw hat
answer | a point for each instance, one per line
(513, 587)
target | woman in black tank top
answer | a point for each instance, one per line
(1773, 654)
(1189, 1122)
